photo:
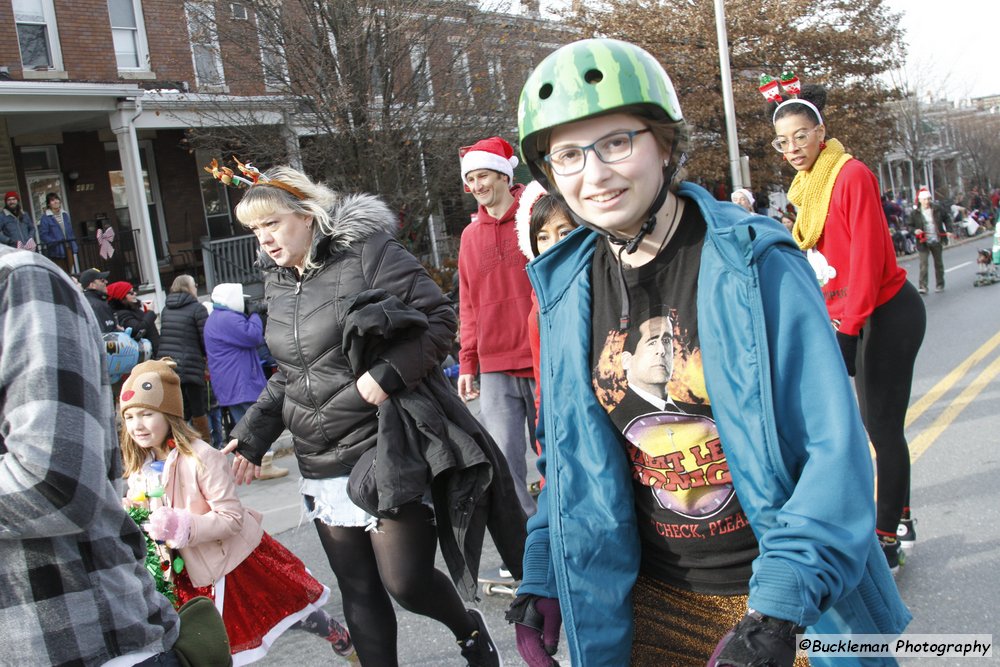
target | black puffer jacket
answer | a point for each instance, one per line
(313, 393)
(182, 336)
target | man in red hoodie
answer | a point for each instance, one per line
(495, 298)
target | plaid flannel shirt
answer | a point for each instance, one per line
(73, 586)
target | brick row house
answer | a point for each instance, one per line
(103, 102)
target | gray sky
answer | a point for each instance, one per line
(954, 45)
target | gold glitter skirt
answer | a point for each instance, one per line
(679, 628)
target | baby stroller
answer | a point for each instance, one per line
(988, 262)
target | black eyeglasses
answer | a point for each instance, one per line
(609, 149)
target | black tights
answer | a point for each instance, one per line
(889, 348)
(397, 561)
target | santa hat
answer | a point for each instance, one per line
(154, 385)
(746, 193)
(118, 290)
(522, 218)
(924, 193)
(12, 194)
(493, 153)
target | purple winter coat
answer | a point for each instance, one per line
(231, 342)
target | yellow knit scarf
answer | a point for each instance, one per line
(811, 192)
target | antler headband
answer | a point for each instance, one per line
(789, 83)
(251, 177)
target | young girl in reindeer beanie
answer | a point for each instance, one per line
(259, 586)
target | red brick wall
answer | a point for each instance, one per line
(85, 39)
(10, 54)
(179, 188)
(84, 153)
(167, 36)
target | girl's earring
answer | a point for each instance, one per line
(784, 158)
(822, 145)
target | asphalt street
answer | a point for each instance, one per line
(950, 579)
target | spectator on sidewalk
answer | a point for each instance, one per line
(182, 338)
(95, 287)
(56, 234)
(131, 314)
(744, 199)
(494, 302)
(231, 341)
(16, 228)
(929, 223)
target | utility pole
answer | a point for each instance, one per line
(727, 96)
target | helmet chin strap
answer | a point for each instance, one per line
(631, 245)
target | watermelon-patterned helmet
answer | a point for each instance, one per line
(587, 78)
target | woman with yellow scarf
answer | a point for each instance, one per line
(879, 316)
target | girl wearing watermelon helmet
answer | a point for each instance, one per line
(682, 520)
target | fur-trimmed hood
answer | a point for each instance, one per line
(522, 219)
(353, 218)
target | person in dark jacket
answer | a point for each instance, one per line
(231, 340)
(319, 250)
(929, 223)
(16, 228)
(130, 314)
(182, 338)
(95, 287)
(55, 231)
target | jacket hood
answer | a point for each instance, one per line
(229, 295)
(353, 218)
(522, 219)
(178, 299)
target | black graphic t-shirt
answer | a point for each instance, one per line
(651, 381)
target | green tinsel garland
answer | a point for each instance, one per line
(140, 515)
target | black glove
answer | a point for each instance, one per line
(255, 306)
(757, 641)
(849, 348)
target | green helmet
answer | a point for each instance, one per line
(587, 78)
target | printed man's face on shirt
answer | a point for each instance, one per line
(650, 366)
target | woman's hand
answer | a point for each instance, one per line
(244, 472)
(370, 390)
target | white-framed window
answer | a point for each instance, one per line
(460, 68)
(423, 88)
(37, 34)
(205, 50)
(270, 36)
(128, 31)
(238, 11)
(496, 79)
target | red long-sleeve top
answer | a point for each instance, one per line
(856, 242)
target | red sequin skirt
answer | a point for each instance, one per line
(265, 595)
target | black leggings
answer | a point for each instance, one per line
(396, 560)
(889, 346)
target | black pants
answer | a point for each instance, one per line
(888, 351)
(395, 560)
(195, 400)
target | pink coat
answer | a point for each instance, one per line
(223, 531)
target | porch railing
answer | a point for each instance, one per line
(230, 261)
(123, 263)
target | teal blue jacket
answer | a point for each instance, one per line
(797, 451)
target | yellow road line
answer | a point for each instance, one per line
(922, 442)
(948, 381)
